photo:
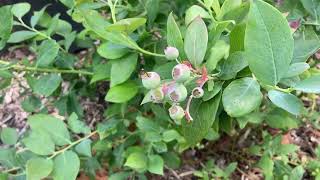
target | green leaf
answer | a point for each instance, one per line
(39, 142)
(137, 161)
(204, 114)
(228, 6)
(194, 12)
(9, 136)
(76, 125)
(84, 148)
(216, 32)
(196, 40)
(36, 16)
(210, 93)
(146, 124)
(297, 173)
(107, 128)
(119, 176)
(241, 97)
(38, 168)
(155, 164)
(122, 92)
(270, 60)
(286, 101)
(309, 85)
(219, 51)
(281, 119)
(296, 69)
(152, 8)
(170, 135)
(6, 20)
(20, 9)
(122, 69)
(215, 6)
(66, 166)
(95, 22)
(313, 8)
(266, 164)
(47, 53)
(174, 37)
(127, 25)
(20, 36)
(101, 72)
(52, 126)
(109, 50)
(237, 36)
(305, 45)
(31, 104)
(8, 157)
(231, 66)
(47, 84)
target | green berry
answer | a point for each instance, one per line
(176, 112)
(157, 95)
(151, 80)
(178, 93)
(181, 73)
(197, 92)
(171, 53)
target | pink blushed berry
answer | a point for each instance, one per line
(181, 73)
(197, 92)
(176, 113)
(151, 80)
(171, 53)
(178, 93)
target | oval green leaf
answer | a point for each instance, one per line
(174, 37)
(66, 166)
(122, 69)
(286, 101)
(309, 85)
(268, 43)
(38, 168)
(241, 97)
(195, 11)
(53, 127)
(109, 50)
(204, 115)
(196, 41)
(20, 9)
(122, 92)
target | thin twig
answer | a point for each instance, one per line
(173, 172)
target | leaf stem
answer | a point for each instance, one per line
(72, 144)
(38, 32)
(151, 53)
(36, 69)
(11, 170)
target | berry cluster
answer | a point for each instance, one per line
(173, 91)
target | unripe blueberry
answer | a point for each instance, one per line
(157, 95)
(171, 53)
(181, 73)
(151, 80)
(178, 93)
(197, 92)
(176, 112)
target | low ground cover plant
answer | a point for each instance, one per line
(176, 76)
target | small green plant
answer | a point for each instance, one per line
(178, 72)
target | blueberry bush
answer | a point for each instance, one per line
(178, 76)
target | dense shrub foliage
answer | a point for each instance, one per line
(180, 73)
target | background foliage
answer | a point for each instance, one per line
(257, 60)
